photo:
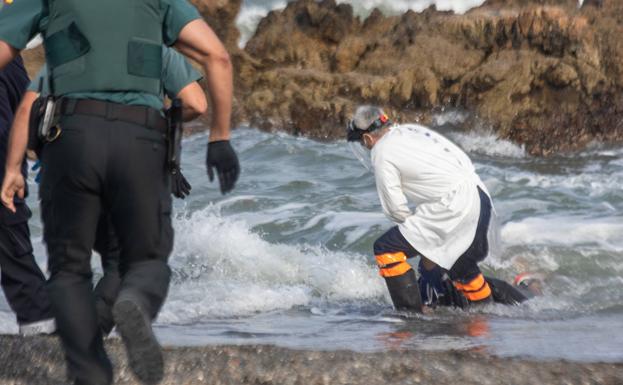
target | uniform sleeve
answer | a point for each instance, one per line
(40, 81)
(389, 188)
(177, 73)
(178, 14)
(19, 22)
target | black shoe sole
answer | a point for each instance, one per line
(144, 352)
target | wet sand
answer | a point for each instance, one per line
(39, 360)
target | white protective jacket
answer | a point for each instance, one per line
(415, 165)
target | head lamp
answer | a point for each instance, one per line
(355, 134)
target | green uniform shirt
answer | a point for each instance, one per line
(21, 20)
(177, 73)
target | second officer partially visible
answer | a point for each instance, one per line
(179, 81)
(106, 146)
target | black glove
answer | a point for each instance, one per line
(180, 188)
(222, 156)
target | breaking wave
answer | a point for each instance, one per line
(223, 269)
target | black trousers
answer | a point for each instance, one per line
(107, 288)
(22, 280)
(103, 166)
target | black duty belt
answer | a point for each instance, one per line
(139, 115)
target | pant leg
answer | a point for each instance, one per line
(74, 166)
(138, 195)
(22, 280)
(107, 288)
(392, 251)
(465, 272)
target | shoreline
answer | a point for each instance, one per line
(39, 360)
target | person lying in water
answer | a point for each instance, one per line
(450, 227)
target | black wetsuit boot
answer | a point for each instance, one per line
(104, 162)
(405, 292)
(507, 294)
(392, 251)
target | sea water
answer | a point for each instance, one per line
(286, 258)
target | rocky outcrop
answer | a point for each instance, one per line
(546, 76)
(221, 16)
(40, 360)
(541, 73)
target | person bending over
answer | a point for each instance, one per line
(449, 226)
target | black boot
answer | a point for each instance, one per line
(134, 326)
(143, 290)
(405, 292)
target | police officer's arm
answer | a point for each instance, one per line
(179, 80)
(7, 54)
(199, 42)
(13, 182)
(389, 187)
(194, 101)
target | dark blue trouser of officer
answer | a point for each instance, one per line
(23, 282)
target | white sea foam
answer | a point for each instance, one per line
(452, 117)
(566, 231)
(360, 223)
(586, 182)
(224, 269)
(35, 42)
(251, 14)
(488, 144)
(8, 325)
(400, 6)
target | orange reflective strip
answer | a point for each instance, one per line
(473, 285)
(476, 290)
(395, 270)
(484, 293)
(389, 258)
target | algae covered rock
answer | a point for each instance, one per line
(541, 73)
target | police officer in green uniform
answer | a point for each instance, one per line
(105, 62)
(179, 81)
